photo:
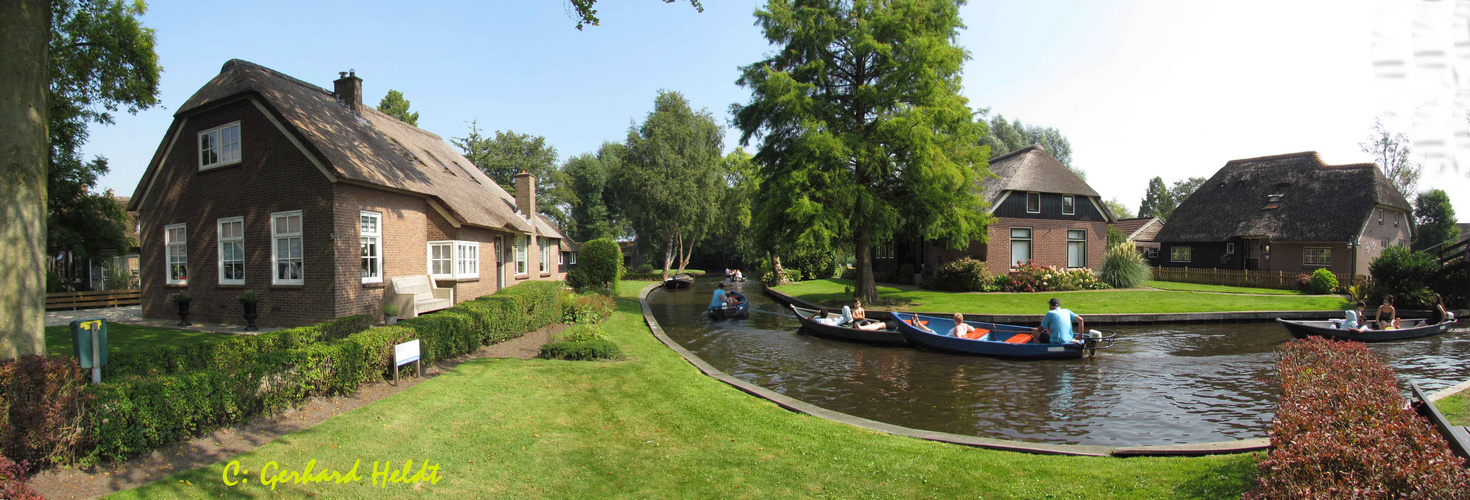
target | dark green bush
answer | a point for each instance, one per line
(1322, 282)
(600, 262)
(232, 352)
(1123, 267)
(645, 268)
(812, 265)
(1405, 274)
(963, 275)
(849, 273)
(587, 350)
(905, 274)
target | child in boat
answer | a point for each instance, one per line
(960, 327)
(1353, 318)
(860, 317)
(1387, 311)
(720, 299)
(914, 320)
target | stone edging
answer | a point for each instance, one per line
(792, 404)
(1450, 391)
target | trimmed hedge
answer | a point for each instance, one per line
(587, 350)
(1341, 430)
(168, 360)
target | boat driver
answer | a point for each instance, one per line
(1058, 323)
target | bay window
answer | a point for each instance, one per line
(453, 259)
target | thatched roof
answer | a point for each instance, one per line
(368, 147)
(1032, 169)
(1132, 228)
(1318, 202)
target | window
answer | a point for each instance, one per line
(1385, 244)
(370, 234)
(1076, 248)
(574, 257)
(1033, 203)
(1229, 249)
(885, 251)
(1152, 253)
(467, 259)
(441, 259)
(450, 260)
(175, 243)
(561, 258)
(232, 251)
(521, 254)
(545, 257)
(1020, 246)
(1380, 217)
(219, 146)
(1395, 219)
(286, 248)
(1317, 257)
(1069, 205)
(1180, 254)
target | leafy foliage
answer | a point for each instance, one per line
(599, 263)
(1406, 275)
(1434, 219)
(13, 481)
(594, 203)
(586, 307)
(1391, 152)
(1119, 210)
(1116, 236)
(1123, 267)
(508, 153)
(396, 106)
(587, 350)
(42, 403)
(1030, 277)
(1005, 138)
(962, 275)
(586, 15)
(1155, 201)
(1322, 282)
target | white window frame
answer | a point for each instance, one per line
(463, 259)
(1175, 253)
(376, 237)
(1309, 256)
(448, 259)
(1229, 249)
(1080, 241)
(276, 237)
(1028, 203)
(169, 252)
(522, 269)
(218, 144)
(544, 265)
(1067, 201)
(232, 239)
(573, 257)
(1380, 216)
(1030, 245)
(561, 258)
(1395, 219)
(1152, 253)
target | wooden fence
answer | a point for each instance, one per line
(1238, 277)
(84, 300)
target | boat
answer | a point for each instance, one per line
(1413, 329)
(994, 339)
(739, 310)
(888, 336)
(679, 281)
(734, 276)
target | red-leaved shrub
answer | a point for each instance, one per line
(41, 409)
(13, 482)
(1342, 431)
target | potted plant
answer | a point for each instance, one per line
(250, 300)
(182, 299)
(390, 313)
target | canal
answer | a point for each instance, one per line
(1161, 384)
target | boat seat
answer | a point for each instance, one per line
(1019, 338)
(977, 333)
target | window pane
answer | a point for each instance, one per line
(1020, 252)
(1020, 232)
(1076, 234)
(295, 247)
(1076, 254)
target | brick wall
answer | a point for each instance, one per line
(1048, 242)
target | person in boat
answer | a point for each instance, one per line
(860, 318)
(1353, 318)
(1437, 312)
(1057, 323)
(960, 327)
(1387, 318)
(720, 299)
(914, 320)
(821, 317)
(738, 275)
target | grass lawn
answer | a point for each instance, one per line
(651, 426)
(122, 336)
(1195, 287)
(1087, 302)
(1456, 408)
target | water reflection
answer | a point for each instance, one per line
(1162, 384)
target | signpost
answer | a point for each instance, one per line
(405, 353)
(89, 345)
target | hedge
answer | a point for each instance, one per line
(1342, 430)
(168, 360)
(586, 350)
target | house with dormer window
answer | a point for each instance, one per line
(265, 182)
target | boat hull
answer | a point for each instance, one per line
(875, 337)
(739, 310)
(680, 281)
(982, 347)
(1304, 329)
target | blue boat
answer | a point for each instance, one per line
(738, 310)
(996, 340)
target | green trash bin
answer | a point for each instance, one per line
(81, 341)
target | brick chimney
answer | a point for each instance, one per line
(526, 195)
(348, 90)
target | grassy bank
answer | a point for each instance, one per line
(651, 426)
(122, 336)
(833, 291)
(1456, 408)
(1196, 287)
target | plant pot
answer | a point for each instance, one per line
(390, 319)
(251, 309)
(184, 314)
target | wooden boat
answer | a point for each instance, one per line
(1413, 329)
(1456, 436)
(889, 336)
(679, 281)
(994, 340)
(739, 310)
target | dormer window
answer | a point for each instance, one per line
(1033, 203)
(219, 146)
(1273, 200)
(1069, 205)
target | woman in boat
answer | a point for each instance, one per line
(860, 317)
(1353, 318)
(914, 320)
(960, 327)
(1437, 312)
(1386, 311)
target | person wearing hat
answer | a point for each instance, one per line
(1058, 323)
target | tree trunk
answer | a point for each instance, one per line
(25, 31)
(778, 275)
(668, 256)
(866, 288)
(686, 253)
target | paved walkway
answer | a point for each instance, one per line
(133, 315)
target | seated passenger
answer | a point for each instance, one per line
(1437, 312)
(860, 318)
(720, 299)
(920, 324)
(822, 317)
(1058, 324)
(1387, 317)
(960, 327)
(1353, 318)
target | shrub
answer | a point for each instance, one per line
(41, 409)
(1322, 282)
(645, 268)
(582, 333)
(963, 275)
(13, 482)
(1079, 279)
(600, 262)
(1405, 274)
(813, 265)
(232, 352)
(1303, 282)
(589, 350)
(594, 307)
(792, 276)
(1030, 277)
(848, 273)
(1123, 267)
(1341, 430)
(905, 274)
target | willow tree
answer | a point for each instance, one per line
(863, 127)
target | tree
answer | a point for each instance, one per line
(669, 178)
(1155, 200)
(1434, 219)
(1119, 210)
(1181, 190)
(1004, 137)
(508, 154)
(24, 26)
(863, 126)
(1007, 137)
(587, 15)
(1391, 152)
(396, 106)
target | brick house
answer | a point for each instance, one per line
(1290, 213)
(268, 183)
(1044, 213)
(1143, 232)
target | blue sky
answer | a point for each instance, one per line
(1141, 88)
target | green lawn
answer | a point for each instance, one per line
(122, 336)
(1089, 302)
(1195, 287)
(652, 426)
(1456, 408)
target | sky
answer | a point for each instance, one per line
(1141, 88)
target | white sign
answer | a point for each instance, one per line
(406, 353)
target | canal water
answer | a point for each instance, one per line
(1161, 384)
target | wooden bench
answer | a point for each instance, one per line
(417, 295)
(85, 300)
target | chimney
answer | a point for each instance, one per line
(526, 195)
(348, 90)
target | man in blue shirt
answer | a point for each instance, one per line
(1058, 322)
(719, 299)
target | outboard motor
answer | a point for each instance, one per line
(1090, 341)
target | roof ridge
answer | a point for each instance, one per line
(1017, 152)
(241, 62)
(1279, 156)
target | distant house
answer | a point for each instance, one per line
(265, 182)
(1289, 213)
(1044, 213)
(1143, 233)
(94, 273)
